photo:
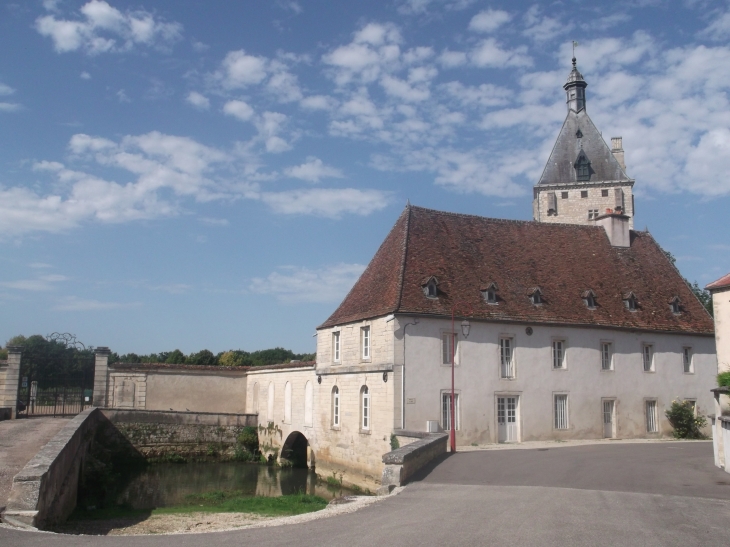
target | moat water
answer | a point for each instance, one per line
(167, 484)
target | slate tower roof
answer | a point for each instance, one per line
(468, 255)
(579, 141)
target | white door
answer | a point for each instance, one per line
(609, 419)
(507, 424)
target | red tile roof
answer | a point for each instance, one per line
(466, 253)
(722, 283)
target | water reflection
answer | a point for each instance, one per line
(161, 485)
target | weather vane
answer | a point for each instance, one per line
(574, 46)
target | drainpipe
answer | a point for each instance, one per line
(403, 378)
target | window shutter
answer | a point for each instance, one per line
(619, 197)
(552, 202)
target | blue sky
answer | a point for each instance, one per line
(216, 174)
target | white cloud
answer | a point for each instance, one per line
(452, 59)
(269, 125)
(72, 303)
(123, 97)
(313, 171)
(6, 89)
(489, 54)
(318, 102)
(85, 76)
(327, 202)
(542, 28)
(40, 283)
(214, 221)
(486, 95)
(239, 70)
(239, 109)
(297, 284)
(9, 107)
(289, 5)
(719, 28)
(104, 28)
(198, 100)
(171, 288)
(709, 157)
(284, 86)
(489, 20)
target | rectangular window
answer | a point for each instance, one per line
(648, 355)
(365, 334)
(651, 421)
(365, 408)
(561, 412)
(604, 193)
(592, 213)
(506, 349)
(584, 193)
(446, 411)
(687, 360)
(606, 356)
(558, 353)
(447, 341)
(693, 405)
(564, 195)
(336, 347)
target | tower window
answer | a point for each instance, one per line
(579, 134)
(582, 167)
(584, 193)
(564, 195)
(604, 193)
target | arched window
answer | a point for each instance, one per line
(308, 404)
(365, 408)
(255, 398)
(287, 403)
(270, 403)
(335, 407)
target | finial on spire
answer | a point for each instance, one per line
(575, 44)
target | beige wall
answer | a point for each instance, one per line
(574, 210)
(351, 339)
(178, 389)
(721, 308)
(353, 454)
(478, 379)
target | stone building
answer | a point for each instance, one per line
(583, 178)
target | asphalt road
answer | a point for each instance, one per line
(618, 495)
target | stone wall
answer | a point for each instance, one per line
(404, 462)
(574, 209)
(9, 379)
(181, 436)
(45, 491)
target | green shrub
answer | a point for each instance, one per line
(249, 438)
(686, 425)
(394, 444)
(723, 379)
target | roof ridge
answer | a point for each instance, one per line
(403, 259)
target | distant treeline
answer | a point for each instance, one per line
(231, 358)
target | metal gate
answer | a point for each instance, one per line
(47, 388)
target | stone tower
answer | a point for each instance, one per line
(583, 178)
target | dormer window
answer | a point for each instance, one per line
(490, 293)
(579, 134)
(589, 297)
(675, 305)
(536, 296)
(430, 287)
(631, 302)
(582, 167)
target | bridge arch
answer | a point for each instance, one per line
(296, 450)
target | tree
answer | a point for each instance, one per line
(175, 357)
(203, 357)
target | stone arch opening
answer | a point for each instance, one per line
(295, 450)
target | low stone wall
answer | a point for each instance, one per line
(401, 464)
(45, 491)
(181, 436)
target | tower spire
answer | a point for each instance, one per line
(575, 88)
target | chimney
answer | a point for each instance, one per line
(618, 151)
(617, 228)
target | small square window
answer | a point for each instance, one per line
(558, 353)
(651, 417)
(584, 193)
(564, 195)
(365, 338)
(648, 357)
(604, 193)
(687, 360)
(606, 356)
(561, 412)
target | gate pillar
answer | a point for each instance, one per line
(12, 380)
(101, 376)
